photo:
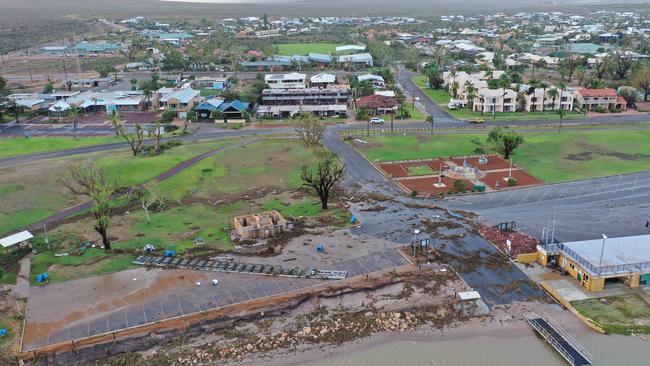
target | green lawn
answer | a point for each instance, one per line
(548, 156)
(263, 163)
(33, 145)
(623, 314)
(290, 49)
(33, 192)
(420, 170)
(91, 262)
(442, 97)
(209, 92)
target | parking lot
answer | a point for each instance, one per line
(86, 307)
(615, 205)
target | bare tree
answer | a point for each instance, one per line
(310, 131)
(623, 61)
(156, 132)
(323, 177)
(152, 198)
(568, 65)
(87, 179)
(115, 120)
(134, 139)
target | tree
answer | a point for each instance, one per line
(629, 95)
(504, 83)
(134, 84)
(323, 177)
(602, 68)
(310, 131)
(89, 180)
(151, 198)
(134, 139)
(4, 100)
(471, 90)
(104, 69)
(235, 58)
(115, 120)
(432, 72)
(380, 51)
(641, 78)
(622, 62)
(49, 87)
(505, 140)
(156, 131)
(568, 65)
(553, 93)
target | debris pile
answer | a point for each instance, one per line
(519, 242)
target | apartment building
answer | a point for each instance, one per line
(594, 99)
(495, 100)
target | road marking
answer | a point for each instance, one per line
(163, 311)
(530, 190)
(636, 177)
(180, 307)
(508, 199)
(544, 195)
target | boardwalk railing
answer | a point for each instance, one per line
(559, 339)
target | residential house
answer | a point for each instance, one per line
(358, 60)
(292, 80)
(322, 80)
(211, 83)
(594, 99)
(376, 80)
(181, 101)
(204, 110)
(378, 104)
(99, 48)
(234, 110)
(122, 101)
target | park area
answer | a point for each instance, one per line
(546, 155)
(239, 176)
(624, 314)
(441, 97)
(455, 175)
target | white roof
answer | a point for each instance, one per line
(323, 78)
(385, 93)
(468, 295)
(289, 76)
(60, 105)
(616, 251)
(16, 238)
(370, 77)
(350, 47)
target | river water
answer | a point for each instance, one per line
(492, 351)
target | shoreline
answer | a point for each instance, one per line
(469, 329)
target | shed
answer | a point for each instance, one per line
(14, 239)
(468, 295)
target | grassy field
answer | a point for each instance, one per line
(34, 145)
(442, 97)
(420, 170)
(290, 49)
(31, 192)
(548, 156)
(264, 163)
(623, 314)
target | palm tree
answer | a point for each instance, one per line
(562, 86)
(553, 93)
(471, 94)
(147, 92)
(454, 89)
(504, 82)
(95, 100)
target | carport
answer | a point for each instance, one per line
(20, 238)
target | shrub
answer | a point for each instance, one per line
(441, 195)
(512, 182)
(601, 109)
(414, 193)
(362, 114)
(460, 185)
(168, 116)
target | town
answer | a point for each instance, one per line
(299, 189)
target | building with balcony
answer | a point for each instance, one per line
(597, 263)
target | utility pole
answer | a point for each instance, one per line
(432, 125)
(65, 71)
(368, 127)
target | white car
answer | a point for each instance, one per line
(452, 106)
(376, 120)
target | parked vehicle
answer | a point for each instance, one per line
(478, 120)
(376, 121)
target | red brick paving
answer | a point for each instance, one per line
(425, 185)
(494, 162)
(522, 178)
(398, 170)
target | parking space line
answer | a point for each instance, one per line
(262, 288)
(144, 313)
(126, 318)
(530, 190)
(180, 307)
(163, 311)
(247, 294)
(544, 195)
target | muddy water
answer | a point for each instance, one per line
(492, 351)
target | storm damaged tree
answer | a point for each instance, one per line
(152, 199)
(310, 131)
(505, 140)
(89, 180)
(323, 177)
(135, 139)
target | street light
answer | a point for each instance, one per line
(602, 250)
